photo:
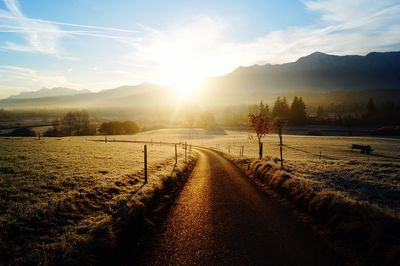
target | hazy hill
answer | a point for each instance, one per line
(317, 72)
(45, 92)
(125, 96)
(320, 76)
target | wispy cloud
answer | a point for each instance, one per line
(40, 37)
(44, 36)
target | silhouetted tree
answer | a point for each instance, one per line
(118, 128)
(72, 124)
(82, 123)
(297, 112)
(264, 109)
(69, 124)
(130, 127)
(281, 108)
(23, 132)
(207, 121)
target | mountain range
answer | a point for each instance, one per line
(318, 72)
(46, 92)
(373, 74)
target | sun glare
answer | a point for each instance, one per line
(186, 80)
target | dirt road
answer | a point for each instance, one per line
(220, 218)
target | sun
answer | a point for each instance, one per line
(187, 84)
(186, 80)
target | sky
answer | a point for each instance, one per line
(102, 44)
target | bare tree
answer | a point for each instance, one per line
(261, 125)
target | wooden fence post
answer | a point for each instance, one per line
(185, 150)
(145, 163)
(176, 154)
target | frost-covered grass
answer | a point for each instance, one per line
(355, 196)
(374, 178)
(56, 194)
(377, 183)
(296, 147)
(356, 210)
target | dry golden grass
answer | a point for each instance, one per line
(57, 194)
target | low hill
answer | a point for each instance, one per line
(45, 92)
(322, 76)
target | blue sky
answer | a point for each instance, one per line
(99, 44)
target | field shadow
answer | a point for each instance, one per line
(384, 156)
(138, 189)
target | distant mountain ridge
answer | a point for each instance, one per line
(375, 74)
(45, 92)
(317, 71)
(139, 95)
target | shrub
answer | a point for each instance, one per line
(23, 132)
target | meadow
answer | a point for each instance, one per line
(58, 193)
(326, 161)
(352, 198)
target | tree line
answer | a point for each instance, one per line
(371, 114)
(294, 115)
(78, 123)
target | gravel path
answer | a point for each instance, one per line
(220, 218)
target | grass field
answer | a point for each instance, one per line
(374, 178)
(55, 192)
(355, 197)
(296, 147)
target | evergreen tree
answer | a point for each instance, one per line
(261, 107)
(302, 112)
(285, 111)
(297, 112)
(294, 111)
(276, 110)
(264, 109)
(281, 108)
